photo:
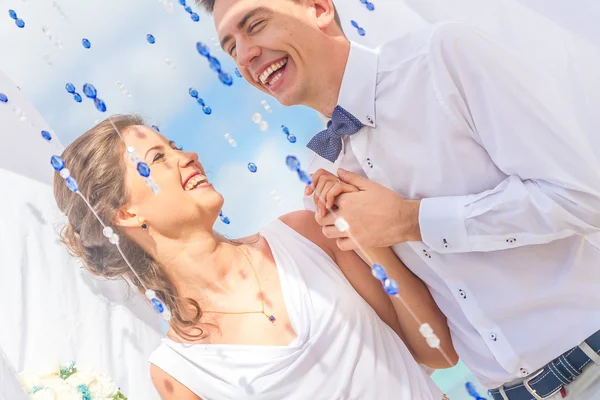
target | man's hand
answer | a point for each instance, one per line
(378, 217)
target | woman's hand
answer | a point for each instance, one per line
(325, 188)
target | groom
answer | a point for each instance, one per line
(468, 162)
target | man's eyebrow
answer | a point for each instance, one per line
(244, 21)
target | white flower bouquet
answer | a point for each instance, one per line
(70, 383)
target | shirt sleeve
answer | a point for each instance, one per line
(530, 132)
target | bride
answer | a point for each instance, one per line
(282, 314)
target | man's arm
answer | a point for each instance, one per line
(518, 115)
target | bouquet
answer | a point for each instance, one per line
(70, 383)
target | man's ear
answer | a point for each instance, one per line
(325, 13)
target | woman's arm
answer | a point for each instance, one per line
(391, 311)
(168, 387)
(416, 296)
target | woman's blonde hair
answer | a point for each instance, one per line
(97, 161)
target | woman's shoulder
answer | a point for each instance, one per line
(305, 224)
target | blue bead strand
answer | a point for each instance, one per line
(360, 30)
(370, 6)
(224, 219)
(215, 64)
(294, 165)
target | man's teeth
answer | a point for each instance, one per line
(264, 77)
(194, 182)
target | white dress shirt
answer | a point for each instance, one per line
(510, 190)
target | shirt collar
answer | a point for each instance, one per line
(357, 93)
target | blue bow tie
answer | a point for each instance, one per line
(328, 143)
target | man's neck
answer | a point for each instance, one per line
(326, 97)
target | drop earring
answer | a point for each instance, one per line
(143, 225)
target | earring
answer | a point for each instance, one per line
(143, 225)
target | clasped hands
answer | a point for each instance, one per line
(377, 216)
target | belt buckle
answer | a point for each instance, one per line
(533, 392)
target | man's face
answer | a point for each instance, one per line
(272, 43)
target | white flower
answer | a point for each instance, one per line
(104, 387)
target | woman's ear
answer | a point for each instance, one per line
(127, 219)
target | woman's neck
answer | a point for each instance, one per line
(203, 265)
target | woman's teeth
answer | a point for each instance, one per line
(194, 182)
(272, 72)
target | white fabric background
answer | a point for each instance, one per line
(52, 310)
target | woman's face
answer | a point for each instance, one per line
(186, 198)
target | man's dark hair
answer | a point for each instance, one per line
(209, 6)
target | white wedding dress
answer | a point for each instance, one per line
(343, 350)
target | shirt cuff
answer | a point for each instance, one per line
(442, 223)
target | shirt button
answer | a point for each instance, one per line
(446, 244)
(523, 371)
(511, 240)
(493, 337)
(426, 253)
(370, 119)
(462, 294)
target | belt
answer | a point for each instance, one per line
(555, 375)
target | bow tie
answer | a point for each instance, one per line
(328, 143)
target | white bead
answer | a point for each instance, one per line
(342, 225)
(264, 125)
(130, 149)
(433, 342)
(134, 159)
(426, 330)
(65, 173)
(114, 239)
(155, 189)
(257, 118)
(107, 232)
(150, 294)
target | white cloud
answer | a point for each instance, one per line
(249, 197)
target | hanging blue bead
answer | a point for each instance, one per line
(188, 9)
(361, 32)
(472, 391)
(304, 177)
(195, 17)
(215, 64)
(150, 38)
(57, 163)
(291, 138)
(90, 91)
(207, 110)
(3, 98)
(378, 272)
(86, 43)
(252, 167)
(293, 163)
(100, 105)
(201, 102)
(70, 88)
(77, 97)
(158, 305)
(203, 49)
(354, 24)
(391, 287)
(193, 93)
(12, 14)
(72, 184)
(20, 23)
(46, 135)
(182, 2)
(370, 6)
(155, 128)
(285, 129)
(143, 169)
(226, 78)
(225, 220)
(238, 73)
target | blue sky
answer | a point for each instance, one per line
(117, 30)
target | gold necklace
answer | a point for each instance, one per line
(262, 297)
